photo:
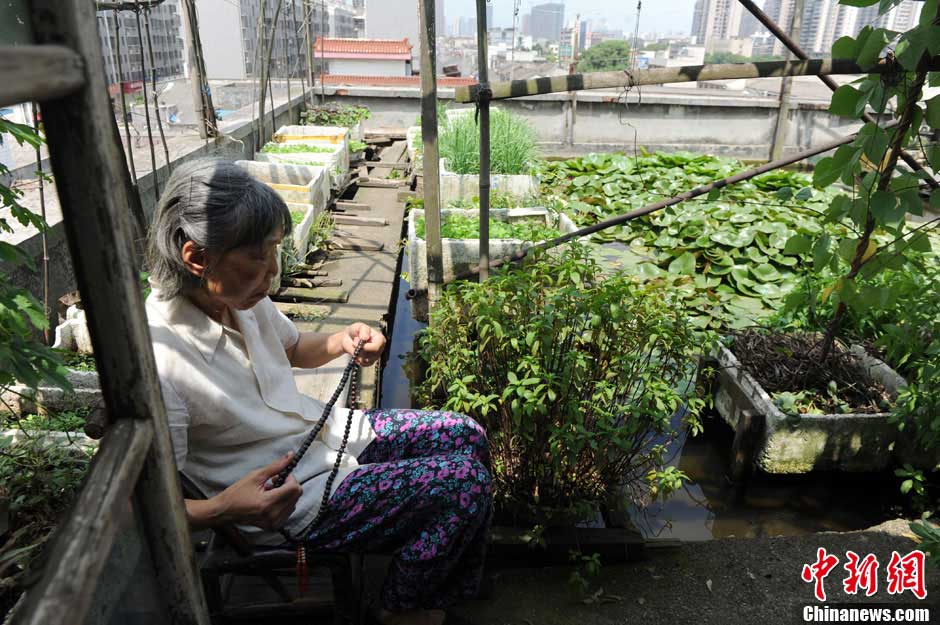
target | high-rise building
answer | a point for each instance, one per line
(716, 19)
(467, 27)
(123, 38)
(825, 21)
(547, 20)
(238, 57)
(526, 26)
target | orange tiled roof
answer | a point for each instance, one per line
(395, 81)
(382, 49)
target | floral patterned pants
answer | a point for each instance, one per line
(425, 495)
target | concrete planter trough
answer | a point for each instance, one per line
(337, 161)
(461, 255)
(768, 440)
(467, 186)
(302, 184)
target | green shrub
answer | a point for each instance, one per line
(512, 143)
(575, 378)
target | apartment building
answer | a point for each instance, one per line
(122, 39)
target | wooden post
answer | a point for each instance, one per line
(308, 18)
(783, 110)
(197, 77)
(92, 183)
(120, 71)
(484, 111)
(432, 172)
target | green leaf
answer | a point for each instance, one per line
(845, 101)
(683, 265)
(871, 49)
(821, 253)
(825, 173)
(933, 112)
(845, 48)
(797, 244)
(933, 156)
(858, 3)
(882, 205)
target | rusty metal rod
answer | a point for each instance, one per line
(661, 204)
(798, 52)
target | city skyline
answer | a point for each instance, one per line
(673, 16)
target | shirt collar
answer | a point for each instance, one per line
(188, 322)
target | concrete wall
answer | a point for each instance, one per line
(220, 28)
(369, 67)
(240, 142)
(714, 122)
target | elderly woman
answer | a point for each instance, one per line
(413, 482)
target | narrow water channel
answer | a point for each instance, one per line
(709, 506)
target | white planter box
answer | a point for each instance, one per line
(309, 134)
(462, 255)
(294, 183)
(337, 161)
(301, 232)
(466, 186)
(842, 442)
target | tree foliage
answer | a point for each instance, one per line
(606, 56)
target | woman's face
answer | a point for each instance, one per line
(240, 278)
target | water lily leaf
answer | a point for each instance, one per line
(734, 239)
(684, 264)
(766, 273)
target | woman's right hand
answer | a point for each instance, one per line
(251, 500)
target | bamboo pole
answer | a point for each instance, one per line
(661, 204)
(143, 82)
(798, 52)
(197, 81)
(120, 71)
(308, 17)
(783, 110)
(156, 100)
(484, 113)
(432, 174)
(626, 78)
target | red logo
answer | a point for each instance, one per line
(903, 573)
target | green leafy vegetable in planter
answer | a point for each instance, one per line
(728, 254)
(357, 146)
(296, 217)
(347, 116)
(293, 148)
(576, 377)
(468, 227)
(512, 143)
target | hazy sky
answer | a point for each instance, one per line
(656, 15)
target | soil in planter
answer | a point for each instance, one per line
(789, 368)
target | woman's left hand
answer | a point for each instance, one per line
(372, 347)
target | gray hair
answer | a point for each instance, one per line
(218, 206)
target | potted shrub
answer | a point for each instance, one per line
(350, 117)
(576, 377)
(513, 156)
(879, 237)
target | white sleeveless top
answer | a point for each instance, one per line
(233, 405)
